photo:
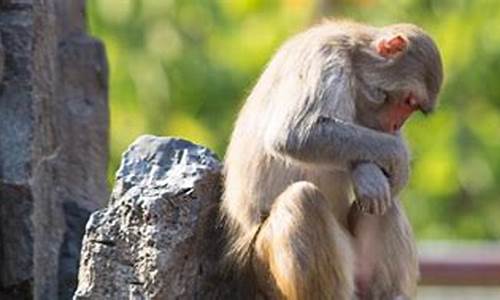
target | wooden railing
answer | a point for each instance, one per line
(459, 264)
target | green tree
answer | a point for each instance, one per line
(183, 68)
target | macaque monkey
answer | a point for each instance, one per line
(316, 161)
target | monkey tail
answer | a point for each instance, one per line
(242, 247)
(238, 260)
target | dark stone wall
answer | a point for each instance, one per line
(53, 144)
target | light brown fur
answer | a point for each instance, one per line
(288, 188)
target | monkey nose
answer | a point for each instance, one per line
(411, 101)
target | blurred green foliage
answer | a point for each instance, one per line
(183, 68)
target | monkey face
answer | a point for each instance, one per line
(394, 114)
(391, 112)
(396, 78)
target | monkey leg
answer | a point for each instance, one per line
(387, 266)
(302, 250)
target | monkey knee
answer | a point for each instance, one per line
(303, 198)
(301, 212)
(304, 186)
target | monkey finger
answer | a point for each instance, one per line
(370, 205)
(366, 207)
(386, 198)
(358, 206)
(361, 207)
(388, 201)
(390, 204)
(374, 200)
(381, 207)
(373, 207)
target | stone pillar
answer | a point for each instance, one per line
(53, 144)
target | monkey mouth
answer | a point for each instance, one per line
(400, 112)
(396, 127)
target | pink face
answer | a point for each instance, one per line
(393, 118)
(395, 114)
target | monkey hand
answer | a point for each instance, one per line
(372, 190)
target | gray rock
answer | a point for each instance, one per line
(2, 59)
(157, 238)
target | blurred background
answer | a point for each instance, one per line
(183, 68)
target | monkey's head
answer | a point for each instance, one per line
(399, 72)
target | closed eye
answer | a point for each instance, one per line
(385, 95)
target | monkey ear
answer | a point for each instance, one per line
(392, 46)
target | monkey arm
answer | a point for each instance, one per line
(340, 144)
